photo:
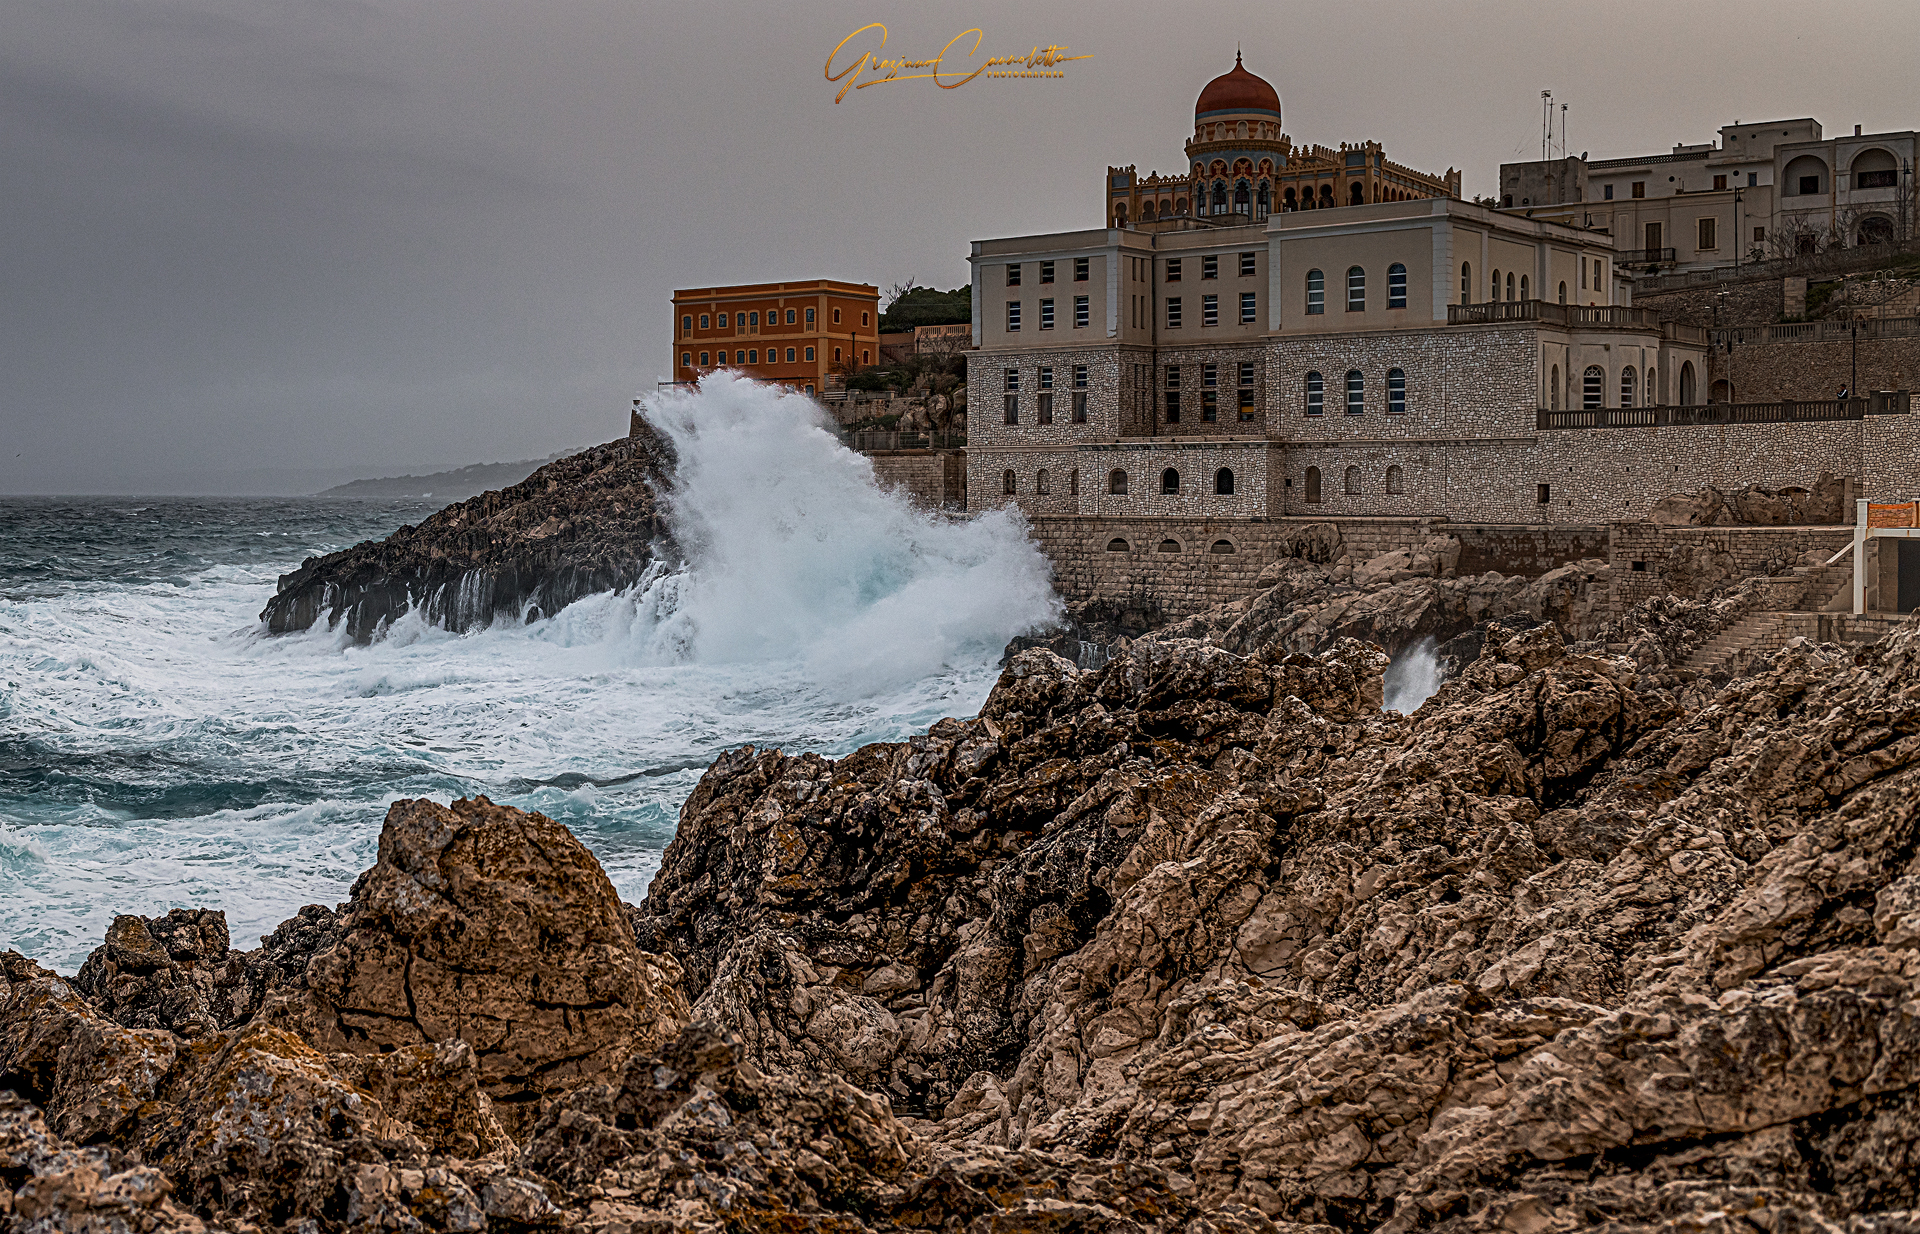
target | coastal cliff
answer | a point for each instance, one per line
(1198, 942)
(582, 524)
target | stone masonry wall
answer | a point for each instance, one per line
(1760, 302)
(1649, 560)
(1467, 382)
(932, 479)
(1767, 372)
(1192, 362)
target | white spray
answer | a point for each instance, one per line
(1412, 678)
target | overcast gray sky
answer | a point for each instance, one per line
(247, 245)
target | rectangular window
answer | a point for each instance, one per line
(1173, 407)
(1247, 265)
(1173, 269)
(809, 316)
(1759, 234)
(1045, 411)
(1246, 406)
(753, 357)
(1709, 234)
(753, 318)
(1210, 376)
(1639, 188)
(1753, 179)
(1543, 494)
(1046, 272)
(1209, 310)
(1246, 374)
(1316, 394)
(1249, 308)
(704, 360)
(1079, 406)
(790, 355)
(723, 321)
(1012, 408)
(1046, 314)
(809, 355)
(1809, 185)
(1013, 316)
(1080, 265)
(1013, 274)
(1173, 312)
(1209, 267)
(686, 324)
(1396, 286)
(1173, 377)
(706, 322)
(1046, 377)
(1719, 182)
(1607, 193)
(1079, 376)
(1356, 290)
(1209, 405)
(1010, 379)
(1316, 293)
(789, 316)
(1080, 313)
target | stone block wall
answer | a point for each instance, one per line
(1466, 382)
(1192, 362)
(1649, 560)
(931, 479)
(1767, 372)
(1758, 302)
(1889, 458)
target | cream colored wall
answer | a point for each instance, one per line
(1410, 244)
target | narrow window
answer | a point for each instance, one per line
(1553, 389)
(1639, 188)
(1173, 269)
(1396, 286)
(1583, 276)
(1563, 291)
(723, 321)
(809, 355)
(1044, 410)
(1356, 393)
(1040, 482)
(1080, 269)
(1046, 314)
(1209, 267)
(1117, 485)
(1013, 316)
(1173, 312)
(1543, 493)
(1011, 408)
(1079, 376)
(753, 356)
(705, 321)
(790, 316)
(753, 319)
(1080, 312)
(1210, 405)
(1079, 406)
(1495, 294)
(1223, 482)
(686, 324)
(1396, 391)
(1209, 310)
(686, 359)
(1010, 379)
(1688, 394)
(1249, 308)
(1316, 394)
(865, 320)
(1509, 286)
(1013, 275)
(1524, 293)
(789, 355)
(1313, 485)
(836, 318)
(1170, 481)
(1593, 388)
(1719, 182)
(1316, 293)
(1395, 480)
(1046, 377)
(809, 316)
(1046, 272)
(1709, 234)
(1352, 485)
(1246, 373)
(704, 360)
(1008, 485)
(1356, 290)
(1210, 376)
(1247, 265)
(1607, 193)
(1466, 282)
(1073, 482)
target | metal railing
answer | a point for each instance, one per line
(1577, 315)
(877, 440)
(1833, 261)
(1788, 411)
(1644, 257)
(1871, 329)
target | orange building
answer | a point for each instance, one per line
(796, 334)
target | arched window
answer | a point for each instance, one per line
(1356, 393)
(1007, 484)
(1356, 290)
(1353, 481)
(1396, 286)
(1654, 394)
(1313, 485)
(1466, 283)
(1509, 286)
(1875, 229)
(1242, 198)
(1396, 391)
(1170, 481)
(1593, 390)
(1316, 394)
(1221, 546)
(1316, 293)
(1720, 391)
(1326, 196)
(1146, 212)
(1264, 201)
(1524, 293)
(1563, 291)
(1396, 479)
(1687, 384)
(1116, 545)
(1117, 482)
(1627, 384)
(1553, 390)
(686, 359)
(1223, 482)
(1357, 195)
(1496, 286)
(1169, 546)
(1219, 196)
(1040, 482)
(1290, 200)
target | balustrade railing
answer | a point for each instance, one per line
(870, 442)
(1787, 411)
(1591, 316)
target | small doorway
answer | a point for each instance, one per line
(1907, 598)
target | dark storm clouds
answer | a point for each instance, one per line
(262, 246)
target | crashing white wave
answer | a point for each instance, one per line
(1412, 678)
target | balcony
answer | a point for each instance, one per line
(1790, 411)
(1645, 257)
(1575, 316)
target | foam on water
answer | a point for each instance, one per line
(1412, 678)
(158, 750)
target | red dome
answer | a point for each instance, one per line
(1238, 91)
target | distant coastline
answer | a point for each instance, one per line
(453, 485)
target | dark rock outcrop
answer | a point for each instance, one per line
(1752, 506)
(584, 524)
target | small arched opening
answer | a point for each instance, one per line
(1721, 391)
(1117, 482)
(1169, 546)
(1170, 481)
(1352, 485)
(1593, 388)
(1221, 546)
(1116, 545)
(1688, 392)
(1313, 485)
(1008, 484)
(1223, 482)
(1040, 482)
(1629, 381)
(1396, 480)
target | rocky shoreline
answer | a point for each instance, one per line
(584, 524)
(1202, 940)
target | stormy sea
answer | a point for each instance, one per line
(159, 750)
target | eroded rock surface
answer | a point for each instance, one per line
(582, 524)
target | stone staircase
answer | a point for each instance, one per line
(1823, 611)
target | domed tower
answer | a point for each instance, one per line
(1237, 146)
